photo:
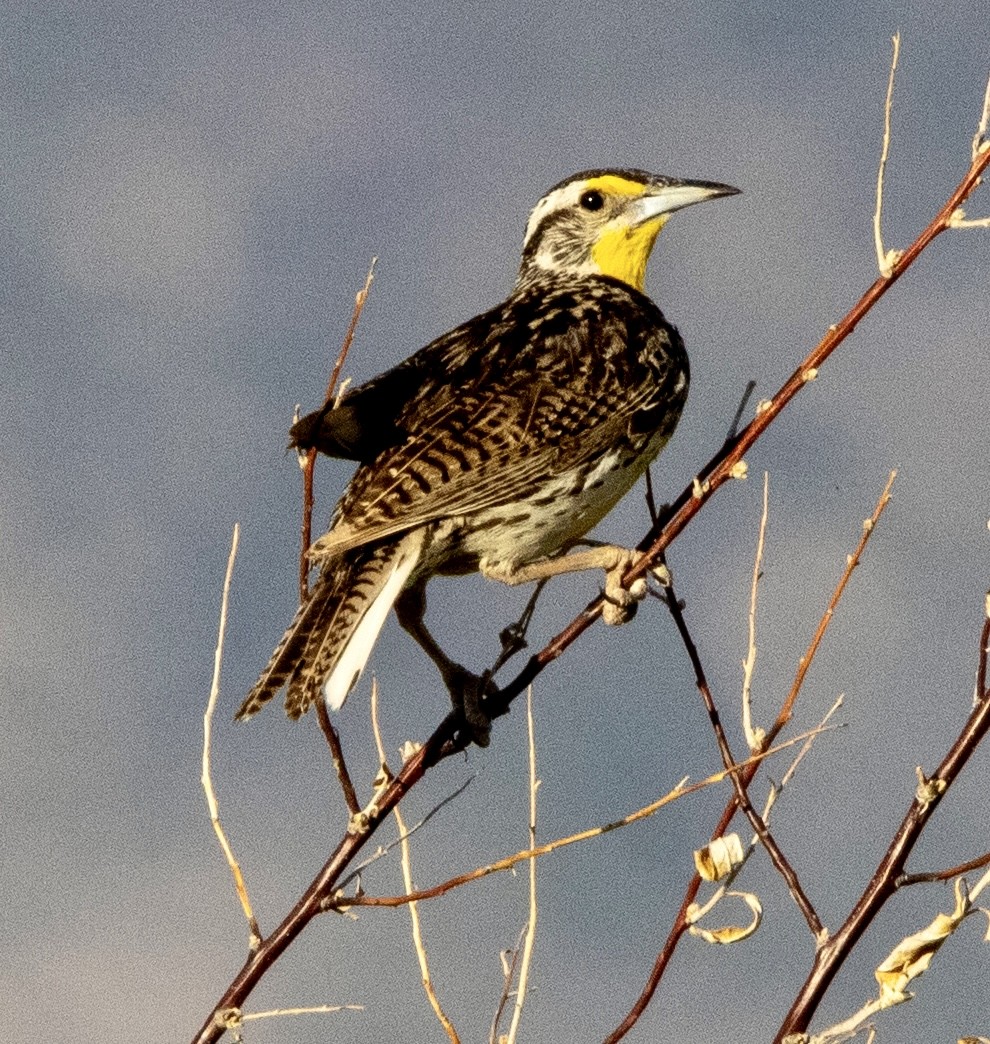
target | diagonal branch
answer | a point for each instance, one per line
(777, 857)
(884, 882)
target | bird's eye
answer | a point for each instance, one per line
(592, 200)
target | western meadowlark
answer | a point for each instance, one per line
(500, 444)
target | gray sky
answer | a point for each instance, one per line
(191, 196)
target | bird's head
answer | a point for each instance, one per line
(605, 222)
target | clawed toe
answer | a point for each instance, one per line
(621, 602)
(468, 693)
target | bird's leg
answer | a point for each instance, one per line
(620, 602)
(467, 690)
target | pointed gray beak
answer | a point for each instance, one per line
(666, 196)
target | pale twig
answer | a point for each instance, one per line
(254, 932)
(530, 937)
(417, 935)
(754, 739)
(681, 790)
(886, 259)
(316, 1009)
(959, 220)
(981, 144)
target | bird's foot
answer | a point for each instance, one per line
(469, 693)
(621, 602)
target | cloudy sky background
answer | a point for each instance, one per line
(191, 196)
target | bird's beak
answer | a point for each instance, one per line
(664, 197)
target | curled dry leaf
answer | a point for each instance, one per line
(911, 956)
(719, 857)
(731, 933)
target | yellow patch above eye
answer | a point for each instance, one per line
(613, 184)
(622, 252)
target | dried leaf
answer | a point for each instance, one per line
(719, 857)
(911, 956)
(732, 933)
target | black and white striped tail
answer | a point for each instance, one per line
(331, 636)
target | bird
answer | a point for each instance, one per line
(498, 446)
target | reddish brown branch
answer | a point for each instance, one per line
(883, 884)
(337, 755)
(944, 875)
(777, 857)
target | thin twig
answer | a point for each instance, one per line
(309, 465)
(407, 882)
(741, 409)
(754, 739)
(508, 978)
(383, 850)
(315, 1009)
(680, 791)
(254, 932)
(777, 857)
(886, 259)
(337, 756)
(944, 875)
(853, 560)
(530, 936)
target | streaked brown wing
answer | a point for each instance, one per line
(525, 417)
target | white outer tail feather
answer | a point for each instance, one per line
(352, 661)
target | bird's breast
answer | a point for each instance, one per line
(562, 510)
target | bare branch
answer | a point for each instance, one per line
(530, 936)
(886, 259)
(754, 739)
(254, 932)
(309, 462)
(777, 857)
(944, 875)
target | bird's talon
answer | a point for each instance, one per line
(468, 694)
